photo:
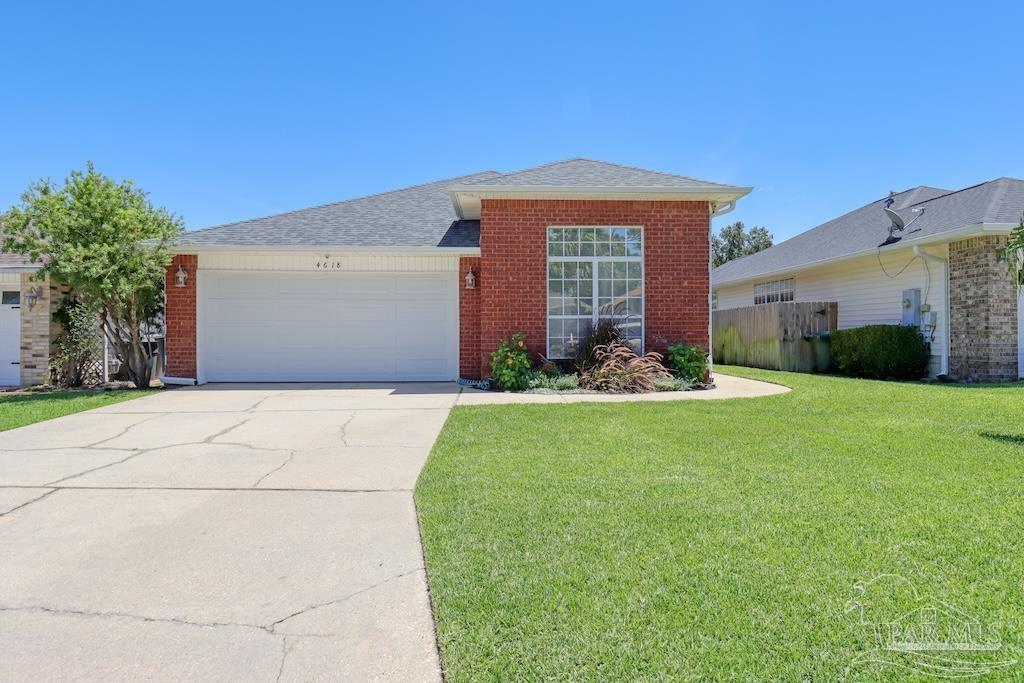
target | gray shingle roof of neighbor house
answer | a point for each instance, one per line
(424, 215)
(17, 262)
(996, 202)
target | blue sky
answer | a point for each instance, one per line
(230, 112)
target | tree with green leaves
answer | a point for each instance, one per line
(109, 244)
(1015, 253)
(734, 241)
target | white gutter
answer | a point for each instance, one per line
(919, 251)
(940, 238)
(724, 209)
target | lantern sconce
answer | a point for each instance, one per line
(470, 280)
(181, 277)
(33, 295)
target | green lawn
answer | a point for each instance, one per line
(17, 410)
(722, 539)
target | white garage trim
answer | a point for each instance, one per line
(337, 325)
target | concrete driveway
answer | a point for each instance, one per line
(221, 533)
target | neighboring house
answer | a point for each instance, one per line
(947, 264)
(26, 322)
(423, 283)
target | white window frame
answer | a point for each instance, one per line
(595, 260)
(775, 291)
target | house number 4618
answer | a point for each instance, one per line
(327, 264)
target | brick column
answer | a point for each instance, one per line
(35, 331)
(469, 321)
(982, 310)
(180, 318)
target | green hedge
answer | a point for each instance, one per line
(881, 352)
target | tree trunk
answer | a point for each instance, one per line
(131, 352)
(139, 369)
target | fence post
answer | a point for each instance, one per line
(106, 360)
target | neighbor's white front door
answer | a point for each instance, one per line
(279, 327)
(10, 335)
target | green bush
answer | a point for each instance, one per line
(687, 361)
(538, 379)
(673, 384)
(510, 364)
(881, 352)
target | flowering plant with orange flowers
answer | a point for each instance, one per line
(510, 364)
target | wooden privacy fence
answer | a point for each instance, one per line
(772, 335)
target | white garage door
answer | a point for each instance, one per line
(10, 335)
(275, 327)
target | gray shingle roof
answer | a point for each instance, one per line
(864, 229)
(588, 173)
(424, 216)
(16, 261)
(419, 216)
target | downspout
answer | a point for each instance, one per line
(919, 251)
(715, 211)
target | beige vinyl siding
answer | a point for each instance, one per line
(866, 296)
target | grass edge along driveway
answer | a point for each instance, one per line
(723, 539)
(20, 409)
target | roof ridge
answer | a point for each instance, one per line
(953, 192)
(606, 163)
(534, 168)
(648, 170)
(337, 203)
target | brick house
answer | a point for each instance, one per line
(926, 256)
(422, 283)
(26, 322)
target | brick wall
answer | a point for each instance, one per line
(513, 267)
(180, 317)
(982, 311)
(35, 331)
(469, 321)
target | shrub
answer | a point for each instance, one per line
(510, 364)
(78, 351)
(550, 382)
(881, 352)
(606, 332)
(619, 370)
(687, 361)
(673, 384)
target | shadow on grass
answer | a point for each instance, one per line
(1012, 439)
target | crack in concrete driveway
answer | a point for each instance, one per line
(238, 532)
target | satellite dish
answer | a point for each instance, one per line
(897, 222)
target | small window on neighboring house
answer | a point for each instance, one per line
(714, 301)
(774, 291)
(10, 298)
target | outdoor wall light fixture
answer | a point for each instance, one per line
(470, 280)
(181, 277)
(33, 295)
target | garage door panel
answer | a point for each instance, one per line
(329, 327)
